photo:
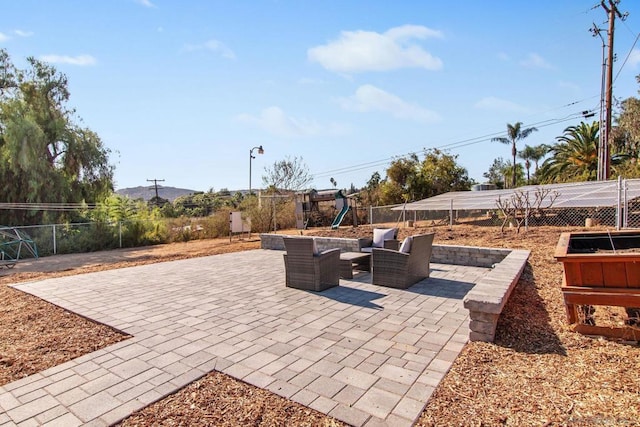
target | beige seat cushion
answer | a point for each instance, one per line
(382, 234)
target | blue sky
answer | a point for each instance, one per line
(182, 90)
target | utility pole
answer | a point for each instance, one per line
(612, 12)
(155, 183)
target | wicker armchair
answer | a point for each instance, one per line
(308, 271)
(397, 269)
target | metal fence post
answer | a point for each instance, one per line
(619, 206)
(370, 215)
(54, 239)
(450, 214)
(625, 201)
(526, 214)
(120, 233)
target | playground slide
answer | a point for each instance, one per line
(340, 217)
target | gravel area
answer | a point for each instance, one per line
(538, 372)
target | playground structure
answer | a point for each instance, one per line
(15, 245)
(311, 207)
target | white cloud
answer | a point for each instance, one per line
(634, 57)
(535, 61)
(370, 98)
(360, 51)
(145, 3)
(4, 37)
(275, 121)
(496, 104)
(503, 56)
(82, 60)
(23, 33)
(213, 46)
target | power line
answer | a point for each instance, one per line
(48, 206)
(449, 146)
(627, 57)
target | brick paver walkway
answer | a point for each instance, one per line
(365, 354)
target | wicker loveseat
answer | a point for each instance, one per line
(405, 267)
(382, 238)
(305, 269)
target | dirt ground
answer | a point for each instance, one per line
(538, 372)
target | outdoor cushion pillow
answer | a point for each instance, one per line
(382, 234)
(405, 247)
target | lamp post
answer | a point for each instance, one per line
(251, 157)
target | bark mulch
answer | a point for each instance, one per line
(538, 372)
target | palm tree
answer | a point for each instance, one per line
(527, 154)
(539, 151)
(574, 156)
(514, 134)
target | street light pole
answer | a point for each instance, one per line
(251, 157)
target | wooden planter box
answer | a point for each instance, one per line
(600, 268)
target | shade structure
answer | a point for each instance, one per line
(591, 194)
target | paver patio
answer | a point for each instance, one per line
(364, 354)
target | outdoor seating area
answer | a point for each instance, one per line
(391, 265)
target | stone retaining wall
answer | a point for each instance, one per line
(274, 241)
(487, 298)
(443, 254)
(473, 256)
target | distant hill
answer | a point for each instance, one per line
(146, 193)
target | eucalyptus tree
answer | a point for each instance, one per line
(495, 173)
(515, 133)
(627, 130)
(410, 179)
(46, 156)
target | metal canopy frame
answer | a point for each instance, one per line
(591, 194)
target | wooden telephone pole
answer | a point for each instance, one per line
(604, 161)
(155, 184)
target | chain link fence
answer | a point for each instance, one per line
(578, 217)
(623, 212)
(94, 236)
(52, 239)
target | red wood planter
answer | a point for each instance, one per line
(601, 268)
